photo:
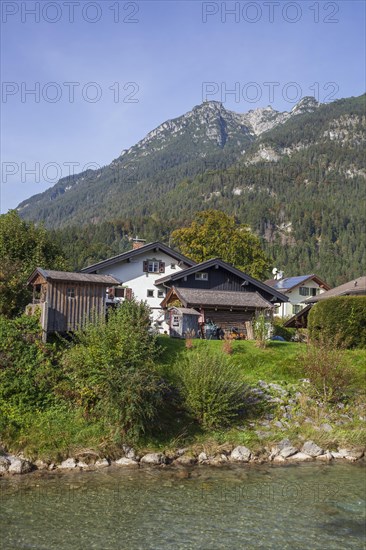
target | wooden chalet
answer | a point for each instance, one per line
(223, 295)
(65, 300)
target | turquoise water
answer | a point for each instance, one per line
(308, 506)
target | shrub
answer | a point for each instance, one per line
(328, 370)
(112, 370)
(261, 330)
(212, 388)
(343, 317)
(280, 330)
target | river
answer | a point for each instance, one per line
(306, 506)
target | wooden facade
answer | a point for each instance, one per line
(183, 322)
(67, 300)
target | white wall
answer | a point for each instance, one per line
(132, 275)
(295, 298)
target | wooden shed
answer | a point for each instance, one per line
(183, 322)
(65, 300)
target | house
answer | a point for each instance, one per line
(183, 322)
(65, 300)
(356, 287)
(297, 289)
(223, 295)
(139, 269)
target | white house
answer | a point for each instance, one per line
(138, 269)
(297, 289)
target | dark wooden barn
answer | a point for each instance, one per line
(65, 300)
(224, 296)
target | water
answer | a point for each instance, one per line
(308, 506)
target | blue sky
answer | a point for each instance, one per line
(141, 63)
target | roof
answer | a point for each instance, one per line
(186, 310)
(300, 319)
(136, 252)
(195, 297)
(71, 276)
(217, 261)
(351, 288)
(288, 283)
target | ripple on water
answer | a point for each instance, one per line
(306, 506)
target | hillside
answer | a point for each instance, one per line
(297, 178)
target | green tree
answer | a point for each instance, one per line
(215, 234)
(112, 373)
(23, 247)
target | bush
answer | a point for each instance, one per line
(328, 370)
(280, 330)
(341, 319)
(212, 387)
(112, 371)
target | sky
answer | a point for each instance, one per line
(83, 80)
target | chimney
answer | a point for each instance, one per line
(138, 243)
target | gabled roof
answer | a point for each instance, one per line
(217, 261)
(289, 283)
(195, 297)
(351, 288)
(136, 252)
(71, 276)
(300, 319)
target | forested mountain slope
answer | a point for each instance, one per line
(297, 178)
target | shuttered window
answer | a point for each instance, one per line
(153, 266)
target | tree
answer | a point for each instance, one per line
(23, 247)
(214, 234)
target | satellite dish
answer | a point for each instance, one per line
(274, 270)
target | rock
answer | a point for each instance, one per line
(312, 449)
(20, 466)
(202, 457)
(41, 465)
(102, 463)
(153, 459)
(186, 460)
(181, 452)
(129, 451)
(300, 457)
(326, 427)
(278, 424)
(350, 454)
(279, 459)
(68, 464)
(83, 465)
(288, 451)
(309, 420)
(335, 454)
(325, 457)
(240, 454)
(124, 461)
(4, 464)
(52, 466)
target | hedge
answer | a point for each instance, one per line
(341, 319)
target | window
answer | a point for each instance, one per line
(70, 292)
(153, 266)
(296, 308)
(200, 276)
(160, 293)
(304, 291)
(150, 293)
(175, 321)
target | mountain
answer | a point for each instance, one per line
(206, 138)
(298, 178)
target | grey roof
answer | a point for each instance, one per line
(351, 288)
(221, 298)
(136, 252)
(217, 261)
(186, 310)
(288, 282)
(51, 275)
